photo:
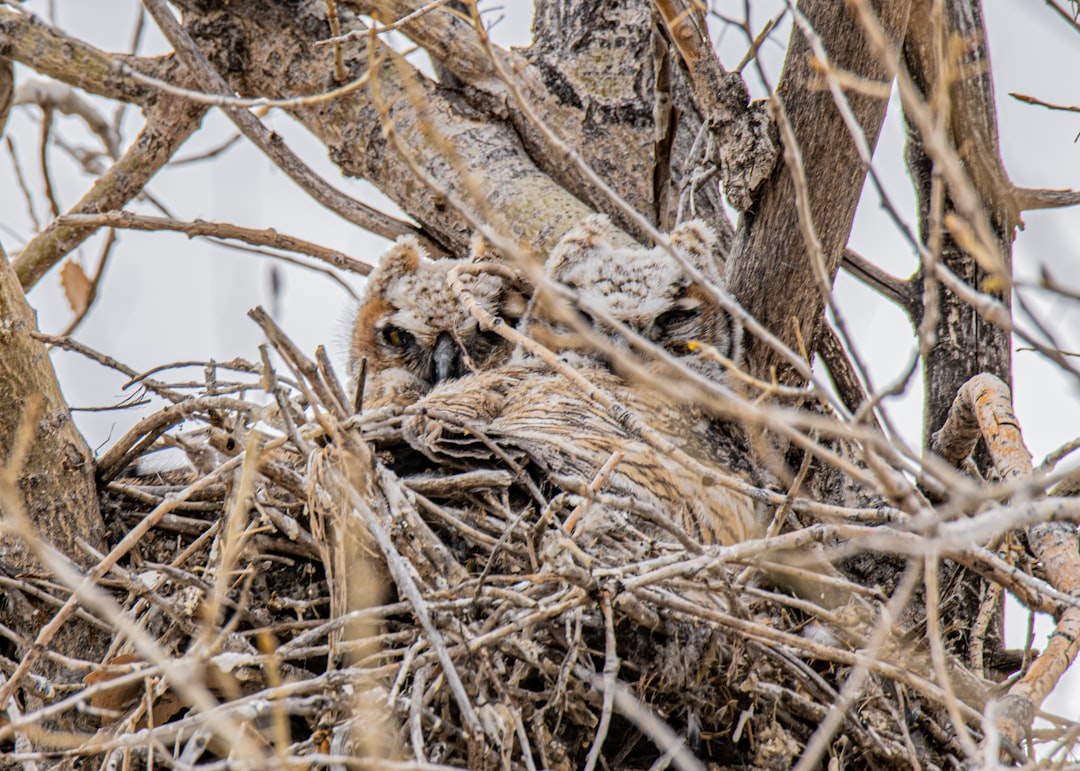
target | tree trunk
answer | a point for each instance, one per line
(770, 271)
(55, 487)
(963, 344)
(957, 342)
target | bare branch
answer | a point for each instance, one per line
(983, 410)
(903, 293)
(7, 90)
(1029, 198)
(268, 237)
(1040, 103)
(1070, 18)
(171, 121)
(766, 243)
(26, 39)
(52, 95)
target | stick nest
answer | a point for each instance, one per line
(337, 599)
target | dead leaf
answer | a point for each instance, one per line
(77, 287)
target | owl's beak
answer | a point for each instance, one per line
(447, 358)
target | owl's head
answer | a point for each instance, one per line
(413, 329)
(648, 291)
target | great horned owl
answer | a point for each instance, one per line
(414, 331)
(648, 291)
(534, 414)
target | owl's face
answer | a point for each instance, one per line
(415, 332)
(648, 291)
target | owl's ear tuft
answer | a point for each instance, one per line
(515, 303)
(697, 241)
(403, 259)
(579, 243)
(481, 251)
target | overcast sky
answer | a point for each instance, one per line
(166, 298)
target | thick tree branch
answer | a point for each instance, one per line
(597, 75)
(963, 344)
(967, 217)
(448, 38)
(270, 143)
(1029, 198)
(58, 476)
(983, 410)
(54, 476)
(283, 59)
(7, 91)
(602, 79)
(27, 39)
(903, 293)
(842, 372)
(50, 95)
(769, 271)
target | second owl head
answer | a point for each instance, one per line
(646, 291)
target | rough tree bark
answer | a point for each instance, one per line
(949, 65)
(57, 478)
(54, 482)
(955, 57)
(770, 271)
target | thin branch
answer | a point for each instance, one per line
(848, 386)
(59, 96)
(746, 147)
(967, 195)
(169, 124)
(227, 100)
(1040, 103)
(1030, 198)
(646, 721)
(95, 283)
(998, 313)
(1070, 18)
(268, 237)
(43, 160)
(899, 291)
(377, 9)
(20, 177)
(611, 671)
(30, 40)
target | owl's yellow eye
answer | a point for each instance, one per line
(397, 337)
